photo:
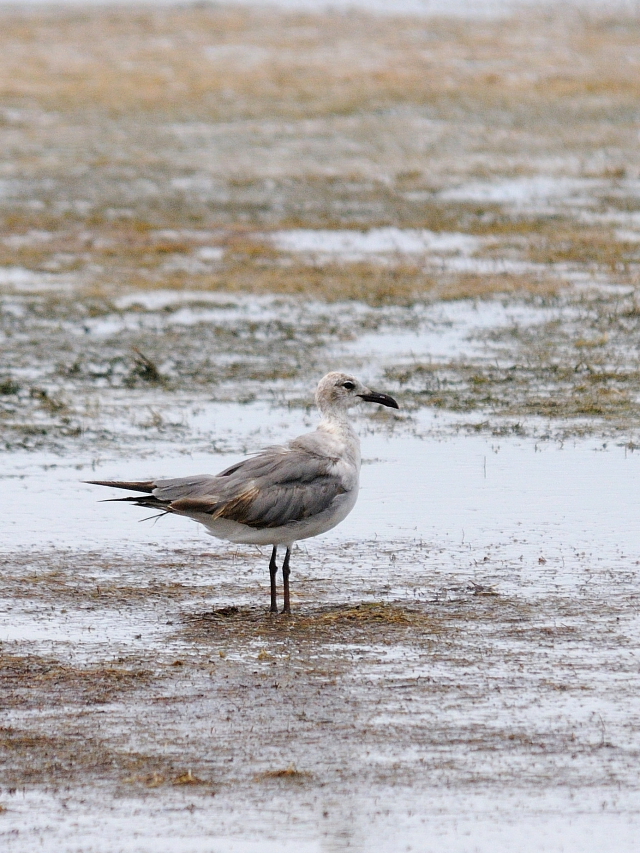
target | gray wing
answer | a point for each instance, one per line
(278, 486)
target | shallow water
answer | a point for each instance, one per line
(513, 824)
(515, 514)
(506, 482)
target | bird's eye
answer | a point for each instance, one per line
(349, 385)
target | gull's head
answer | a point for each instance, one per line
(338, 391)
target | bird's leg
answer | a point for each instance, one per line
(285, 577)
(273, 573)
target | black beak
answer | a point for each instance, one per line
(383, 399)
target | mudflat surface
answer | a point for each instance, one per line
(205, 209)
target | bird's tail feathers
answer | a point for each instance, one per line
(137, 486)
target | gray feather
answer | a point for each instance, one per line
(278, 486)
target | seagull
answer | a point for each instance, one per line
(281, 494)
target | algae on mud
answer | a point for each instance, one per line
(168, 153)
(129, 376)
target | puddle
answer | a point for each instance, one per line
(550, 825)
(442, 251)
(443, 332)
(20, 279)
(542, 194)
(82, 638)
(187, 308)
(537, 191)
(358, 245)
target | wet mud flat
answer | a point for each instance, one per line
(150, 371)
(464, 676)
(377, 717)
(203, 210)
(224, 202)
